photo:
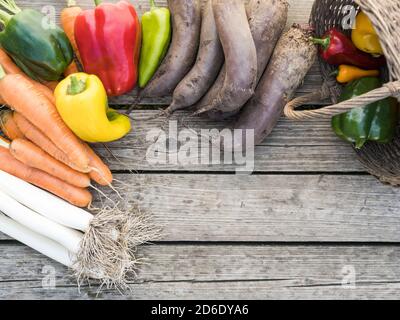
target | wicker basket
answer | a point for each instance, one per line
(381, 160)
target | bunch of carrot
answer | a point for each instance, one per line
(43, 150)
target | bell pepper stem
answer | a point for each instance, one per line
(322, 42)
(334, 73)
(76, 86)
(152, 4)
(97, 2)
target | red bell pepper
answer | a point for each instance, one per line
(337, 49)
(109, 38)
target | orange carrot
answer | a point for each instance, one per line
(68, 17)
(36, 136)
(8, 125)
(21, 95)
(76, 196)
(100, 171)
(34, 157)
(11, 68)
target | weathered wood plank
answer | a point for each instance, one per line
(299, 13)
(268, 208)
(223, 272)
(309, 146)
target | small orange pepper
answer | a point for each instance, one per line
(347, 73)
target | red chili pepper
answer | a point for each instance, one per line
(337, 49)
(109, 39)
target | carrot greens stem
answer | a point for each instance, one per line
(10, 6)
(4, 17)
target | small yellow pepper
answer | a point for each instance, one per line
(364, 36)
(81, 100)
(347, 73)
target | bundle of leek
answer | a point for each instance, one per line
(99, 247)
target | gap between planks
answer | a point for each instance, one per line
(307, 146)
(278, 208)
(229, 272)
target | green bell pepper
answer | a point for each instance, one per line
(156, 33)
(43, 53)
(374, 122)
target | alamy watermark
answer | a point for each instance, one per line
(349, 277)
(204, 147)
(49, 278)
(49, 21)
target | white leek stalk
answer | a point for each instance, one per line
(105, 249)
(69, 238)
(37, 242)
(45, 203)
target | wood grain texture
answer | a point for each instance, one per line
(309, 146)
(267, 208)
(277, 205)
(226, 272)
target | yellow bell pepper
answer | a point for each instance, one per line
(347, 73)
(81, 100)
(364, 36)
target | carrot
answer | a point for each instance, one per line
(68, 17)
(20, 94)
(76, 196)
(8, 125)
(34, 157)
(11, 68)
(36, 136)
(100, 173)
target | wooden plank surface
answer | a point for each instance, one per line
(272, 208)
(287, 200)
(309, 146)
(226, 272)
